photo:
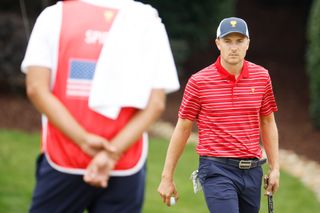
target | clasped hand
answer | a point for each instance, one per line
(104, 159)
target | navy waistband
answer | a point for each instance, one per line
(239, 163)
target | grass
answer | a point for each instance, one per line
(18, 152)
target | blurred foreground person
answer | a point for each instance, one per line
(98, 71)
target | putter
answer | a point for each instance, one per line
(270, 204)
(270, 200)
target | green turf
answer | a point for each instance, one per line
(18, 152)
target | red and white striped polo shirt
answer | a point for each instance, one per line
(228, 110)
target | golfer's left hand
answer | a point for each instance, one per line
(273, 182)
(98, 172)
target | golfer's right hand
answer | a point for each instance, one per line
(272, 185)
(167, 189)
(91, 144)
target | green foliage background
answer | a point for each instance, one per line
(313, 62)
(191, 25)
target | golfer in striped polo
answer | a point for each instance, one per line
(233, 105)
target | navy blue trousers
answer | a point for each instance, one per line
(228, 189)
(59, 192)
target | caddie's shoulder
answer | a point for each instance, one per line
(145, 9)
(50, 13)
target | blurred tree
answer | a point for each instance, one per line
(191, 25)
(16, 20)
(313, 62)
(286, 3)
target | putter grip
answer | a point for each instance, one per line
(270, 204)
(270, 200)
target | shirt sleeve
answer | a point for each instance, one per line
(42, 39)
(268, 101)
(190, 106)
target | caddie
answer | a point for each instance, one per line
(98, 71)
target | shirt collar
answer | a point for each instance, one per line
(226, 75)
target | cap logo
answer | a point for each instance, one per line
(233, 23)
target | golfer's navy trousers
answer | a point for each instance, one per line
(228, 189)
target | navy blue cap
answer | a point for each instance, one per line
(232, 25)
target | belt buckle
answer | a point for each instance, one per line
(245, 164)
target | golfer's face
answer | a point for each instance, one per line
(233, 48)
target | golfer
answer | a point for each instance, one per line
(233, 105)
